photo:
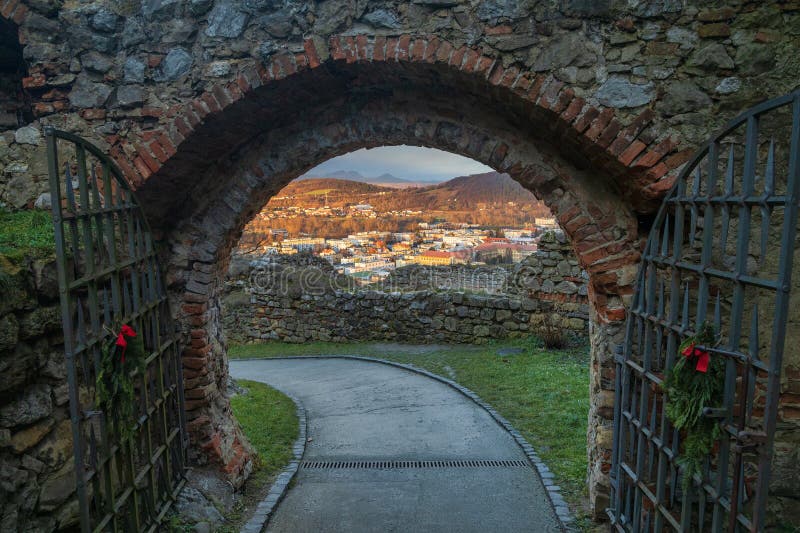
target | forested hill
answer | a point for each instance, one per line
(462, 193)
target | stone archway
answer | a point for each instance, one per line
(263, 132)
(168, 86)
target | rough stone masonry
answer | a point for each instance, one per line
(210, 107)
(300, 299)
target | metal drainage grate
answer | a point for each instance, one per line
(481, 463)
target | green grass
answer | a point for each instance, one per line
(544, 394)
(269, 421)
(27, 233)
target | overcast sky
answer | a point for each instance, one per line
(409, 162)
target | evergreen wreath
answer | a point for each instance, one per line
(696, 381)
(115, 393)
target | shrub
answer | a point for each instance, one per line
(552, 334)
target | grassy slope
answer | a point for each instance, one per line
(544, 394)
(269, 420)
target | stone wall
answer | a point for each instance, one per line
(479, 278)
(417, 317)
(552, 272)
(299, 298)
(37, 476)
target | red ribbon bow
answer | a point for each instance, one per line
(703, 357)
(122, 342)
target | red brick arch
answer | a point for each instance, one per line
(615, 143)
(202, 242)
(642, 167)
(595, 168)
(13, 10)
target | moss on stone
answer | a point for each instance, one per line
(24, 234)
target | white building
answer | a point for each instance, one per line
(339, 244)
(549, 223)
(304, 244)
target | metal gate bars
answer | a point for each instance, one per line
(108, 275)
(720, 252)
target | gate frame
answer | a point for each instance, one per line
(642, 309)
(147, 302)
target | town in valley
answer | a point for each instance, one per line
(367, 228)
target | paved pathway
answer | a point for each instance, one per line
(358, 410)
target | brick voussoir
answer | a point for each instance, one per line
(444, 53)
(148, 158)
(459, 58)
(200, 108)
(286, 65)
(549, 93)
(8, 8)
(222, 96)
(403, 45)
(362, 45)
(190, 115)
(496, 74)
(631, 152)
(679, 158)
(350, 50)
(19, 14)
(563, 101)
(211, 102)
(654, 154)
(599, 124)
(142, 169)
(585, 119)
(573, 110)
(631, 132)
(391, 49)
(417, 49)
(182, 127)
(471, 60)
(522, 84)
(609, 133)
(235, 91)
(336, 50)
(485, 65)
(658, 188)
(431, 49)
(125, 165)
(158, 151)
(311, 53)
(379, 49)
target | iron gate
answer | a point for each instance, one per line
(720, 252)
(108, 275)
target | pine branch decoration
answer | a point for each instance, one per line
(695, 382)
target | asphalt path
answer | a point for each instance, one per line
(361, 414)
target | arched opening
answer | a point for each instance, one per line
(234, 159)
(365, 255)
(352, 225)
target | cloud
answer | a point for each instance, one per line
(409, 162)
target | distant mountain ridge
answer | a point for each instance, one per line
(461, 193)
(353, 175)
